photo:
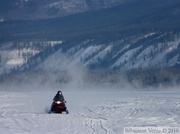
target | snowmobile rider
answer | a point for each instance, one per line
(59, 97)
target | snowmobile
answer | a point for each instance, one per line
(59, 106)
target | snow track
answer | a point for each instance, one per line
(106, 113)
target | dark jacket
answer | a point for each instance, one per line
(58, 97)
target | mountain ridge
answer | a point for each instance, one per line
(37, 9)
(130, 36)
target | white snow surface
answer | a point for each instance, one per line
(91, 112)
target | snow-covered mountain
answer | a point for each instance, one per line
(133, 36)
(144, 51)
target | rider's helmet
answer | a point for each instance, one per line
(59, 92)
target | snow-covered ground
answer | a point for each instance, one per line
(91, 112)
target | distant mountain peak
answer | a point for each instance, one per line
(38, 9)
